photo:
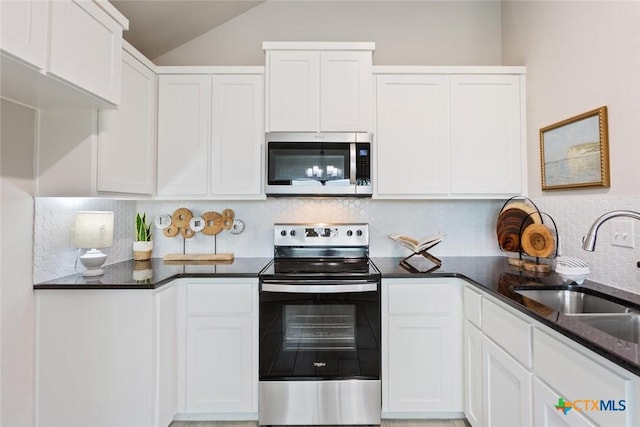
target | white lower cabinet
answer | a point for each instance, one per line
(422, 348)
(546, 413)
(582, 378)
(497, 374)
(516, 370)
(219, 364)
(106, 357)
(472, 374)
(506, 395)
(218, 368)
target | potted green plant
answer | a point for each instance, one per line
(143, 245)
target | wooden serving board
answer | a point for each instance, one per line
(198, 257)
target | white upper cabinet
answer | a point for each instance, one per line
(237, 134)
(210, 132)
(486, 134)
(86, 47)
(62, 53)
(412, 137)
(184, 105)
(294, 86)
(24, 30)
(127, 136)
(319, 86)
(449, 132)
(346, 91)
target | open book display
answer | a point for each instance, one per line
(419, 247)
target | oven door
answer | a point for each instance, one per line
(319, 330)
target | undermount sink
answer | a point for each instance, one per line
(610, 317)
(572, 301)
(623, 326)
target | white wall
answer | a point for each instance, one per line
(405, 32)
(17, 126)
(580, 56)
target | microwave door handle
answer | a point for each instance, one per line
(352, 163)
(319, 289)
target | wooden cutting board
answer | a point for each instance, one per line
(198, 257)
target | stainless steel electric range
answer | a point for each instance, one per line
(320, 328)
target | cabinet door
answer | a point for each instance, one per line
(472, 374)
(486, 140)
(219, 367)
(166, 402)
(507, 388)
(23, 31)
(293, 90)
(346, 96)
(237, 135)
(418, 368)
(545, 413)
(422, 347)
(184, 108)
(412, 155)
(86, 47)
(126, 144)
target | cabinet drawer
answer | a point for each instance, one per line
(578, 377)
(472, 306)
(420, 298)
(511, 332)
(223, 298)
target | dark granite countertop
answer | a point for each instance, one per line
(155, 273)
(495, 276)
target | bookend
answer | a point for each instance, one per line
(404, 263)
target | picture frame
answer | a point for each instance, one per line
(574, 153)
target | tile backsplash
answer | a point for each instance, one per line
(469, 226)
(611, 265)
(53, 250)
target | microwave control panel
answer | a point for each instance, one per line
(363, 164)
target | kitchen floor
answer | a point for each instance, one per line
(385, 423)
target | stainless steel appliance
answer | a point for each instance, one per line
(316, 164)
(320, 328)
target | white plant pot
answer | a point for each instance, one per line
(142, 250)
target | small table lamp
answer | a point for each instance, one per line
(94, 230)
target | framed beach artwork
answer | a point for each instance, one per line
(574, 153)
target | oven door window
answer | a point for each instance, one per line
(319, 336)
(308, 163)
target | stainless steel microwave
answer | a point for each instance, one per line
(319, 164)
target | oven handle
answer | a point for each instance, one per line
(295, 287)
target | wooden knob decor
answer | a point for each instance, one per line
(181, 218)
(538, 241)
(171, 231)
(209, 223)
(187, 233)
(227, 223)
(212, 223)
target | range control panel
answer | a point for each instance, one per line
(321, 234)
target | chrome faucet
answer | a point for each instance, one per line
(589, 241)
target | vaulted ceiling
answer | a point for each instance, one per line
(158, 26)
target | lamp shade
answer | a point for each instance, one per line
(94, 229)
